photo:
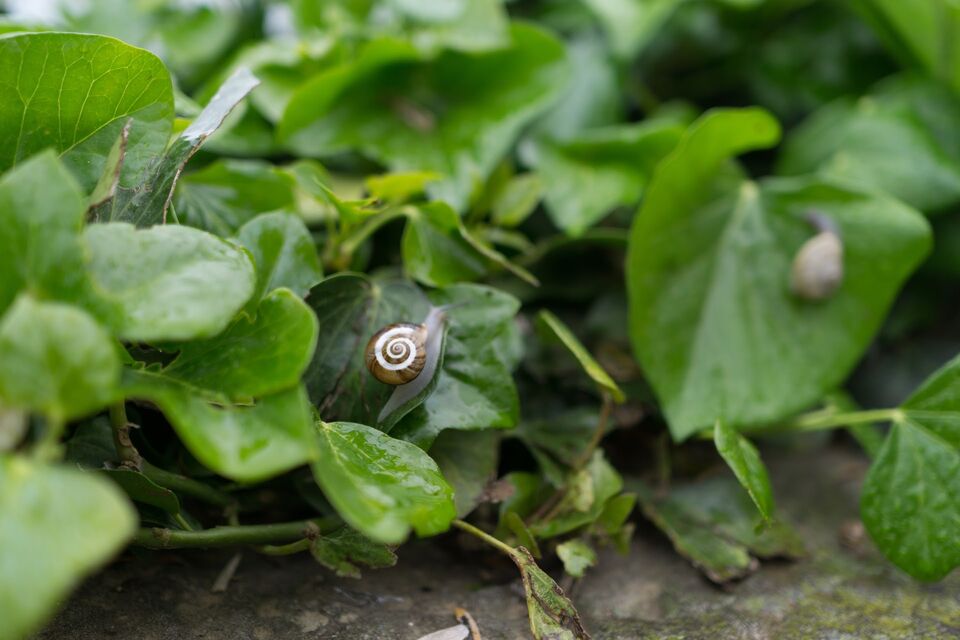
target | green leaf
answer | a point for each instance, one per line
(468, 461)
(744, 460)
(475, 388)
(147, 205)
(552, 615)
(413, 114)
(74, 93)
(399, 187)
(171, 282)
(517, 200)
(712, 319)
(911, 496)
(284, 253)
(56, 359)
(248, 443)
(58, 525)
(577, 556)
(350, 308)
(381, 486)
(344, 550)
(631, 24)
(921, 33)
(525, 539)
(887, 141)
(227, 194)
(253, 357)
(434, 251)
(590, 366)
(587, 176)
(41, 214)
(715, 525)
(587, 493)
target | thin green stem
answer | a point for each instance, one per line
(352, 241)
(180, 520)
(486, 537)
(128, 454)
(229, 536)
(187, 486)
(284, 549)
(48, 446)
(820, 420)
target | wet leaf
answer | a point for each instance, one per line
(381, 486)
(245, 442)
(552, 615)
(344, 551)
(252, 357)
(709, 280)
(911, 497)
(716, 526)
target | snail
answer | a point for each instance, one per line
(406, 356)
(818, 266)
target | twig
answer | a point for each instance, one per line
(226, 575)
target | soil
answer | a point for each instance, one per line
(842, 590)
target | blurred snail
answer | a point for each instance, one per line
(818, 266)
(406, 356)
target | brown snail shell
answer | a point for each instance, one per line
(818, 267)
(396, 354)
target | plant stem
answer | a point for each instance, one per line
(128, 454)
(284, 549)
(187, 486)
(229, 536)
(598, 433)
(819, 421)
(48, 446)
(486, 537)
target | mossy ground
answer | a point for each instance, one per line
(840, 591)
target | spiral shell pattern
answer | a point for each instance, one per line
(396, 354)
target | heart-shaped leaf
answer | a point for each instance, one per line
(253, 357)
(75, 93)
(381, 486)
(248, 443)
(712, 318)
(911, 497)
(171, 282)
(284, 253)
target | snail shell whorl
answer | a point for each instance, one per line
(818, 267)
(396, 354)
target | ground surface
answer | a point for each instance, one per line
(836, 593)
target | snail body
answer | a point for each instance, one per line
(406, 356)
(817, 270)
